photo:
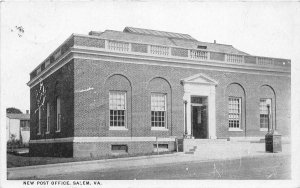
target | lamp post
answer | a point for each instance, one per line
(268, 101)
(185, 118)
(272, 138)
(268, 106)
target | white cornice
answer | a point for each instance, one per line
(51, 69)
(179, 60)
(52, 53)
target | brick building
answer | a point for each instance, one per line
(115, 91)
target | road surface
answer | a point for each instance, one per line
(243, 169)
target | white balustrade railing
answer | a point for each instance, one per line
(234, 58)
(198, 54)
(118, 46)
(264, 61)
(159, 50)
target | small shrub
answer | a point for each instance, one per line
(13, 143)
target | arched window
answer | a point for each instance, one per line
(58, 114)
(39, 121)
(118, 92)
(267, 108)
(160, 102)
(236, 107)
(48, 119)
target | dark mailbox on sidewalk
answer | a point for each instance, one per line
(273, 142)
(179, 144)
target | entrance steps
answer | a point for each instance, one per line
(215, 147)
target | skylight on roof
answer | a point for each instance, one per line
(201, 47)
(158, 33)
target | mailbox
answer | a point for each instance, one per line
(179, 144)
(273, 142)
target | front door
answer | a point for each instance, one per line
(199, 117)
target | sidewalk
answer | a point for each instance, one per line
(253, 150)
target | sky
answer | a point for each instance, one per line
(258, 28)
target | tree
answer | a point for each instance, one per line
(13, 110)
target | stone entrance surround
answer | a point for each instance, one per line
(200, 85)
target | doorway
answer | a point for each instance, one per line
(199, 114)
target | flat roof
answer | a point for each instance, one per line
(18, 116)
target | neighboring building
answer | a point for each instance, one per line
(19, 126)
(115, 91)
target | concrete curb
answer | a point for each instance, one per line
(31, 171)
(92, 161)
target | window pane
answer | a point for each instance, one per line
(158, 109)
(264, 114)
(234, 112)
(117, 106)
(117, 100)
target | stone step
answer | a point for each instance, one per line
(245, 139)
(214, 146)
(205, 141)
(189, 152)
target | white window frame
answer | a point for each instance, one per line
(58, 114)
(39, 122)
(115, 127)
(239, 99)
(48, 118)
(165, 127)
(260, 113)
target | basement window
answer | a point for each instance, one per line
(201, 47)
(161, 147)
(119, 148)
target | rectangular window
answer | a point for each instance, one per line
(160, 147)
(48, 118)
(117, 109)
(263, 110)
(58, 115)
(234, 114)
(25, 125)
(38, 70)
(47, 63)
(158, 110)
(39, 121)
(119, 148)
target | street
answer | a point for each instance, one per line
(278, 167)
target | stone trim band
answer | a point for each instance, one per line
(102, 139)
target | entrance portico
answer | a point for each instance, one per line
(199, 106)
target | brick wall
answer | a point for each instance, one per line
(51, 149)
(91, 108)
(104, 148)
(59, 84)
